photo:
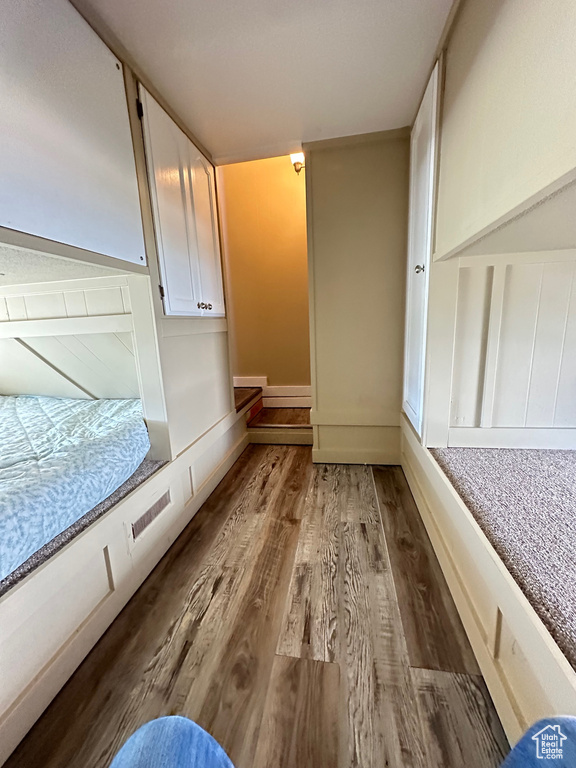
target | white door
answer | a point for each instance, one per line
(422, 178)
(167, 157)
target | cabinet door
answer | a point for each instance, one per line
(66, 154)
(422, 170)
(185, 214)
(206, 220)
(168, 160)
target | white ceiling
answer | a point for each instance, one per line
(255, 78)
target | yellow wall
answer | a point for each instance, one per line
(264, 221)
(358, 208)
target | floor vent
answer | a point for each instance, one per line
(144, 521)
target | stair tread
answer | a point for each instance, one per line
(281, 418)
(244, 395)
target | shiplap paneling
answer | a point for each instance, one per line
(474, 290)
(109, 300)
(565, 405)
(99, 362)
(16, 306)
(514, 347)
(22, 373)
(516, 344)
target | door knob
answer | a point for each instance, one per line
(419, 268)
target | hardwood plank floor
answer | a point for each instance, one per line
(285, 620)
(301, 715)
(434, 633)
(460, 725)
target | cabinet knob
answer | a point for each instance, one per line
(419, 268)
(209, 306)
(198, 305)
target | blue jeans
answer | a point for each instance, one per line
(541, 744)
(171, 742)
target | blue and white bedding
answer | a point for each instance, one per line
(59, 458)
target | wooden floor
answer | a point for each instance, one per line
(303, 620)
(281, 417)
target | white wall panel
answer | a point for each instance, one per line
(565, 406)
(196, 384)
(68, 171)
(515, 344)
(22, 373)
(97, 365)
(474, 289)
(509, 112)
(549, 344)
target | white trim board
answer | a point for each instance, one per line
(277, 392)
(251, 381)
(512, 437)
(65, 326)
(355, 456)
(287, 391)
(287, 402)
(279, 436)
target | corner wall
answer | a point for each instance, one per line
(357, 205)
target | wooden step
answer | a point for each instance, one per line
(245, 395)
(285, 418)
(281, 426)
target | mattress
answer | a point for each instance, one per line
(59, 458)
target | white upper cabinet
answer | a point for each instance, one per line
(185, 215)
(67, 170)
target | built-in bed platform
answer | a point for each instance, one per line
(501, 523)
(62, 463)
(525, 503)
(144, 471)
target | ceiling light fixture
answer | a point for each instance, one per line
(297, 160)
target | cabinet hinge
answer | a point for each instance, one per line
(161, 289)
(139, 109)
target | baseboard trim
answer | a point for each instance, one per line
(251, 381)
(292, 436)
(512, 437)
(276, 392)
(287, 402)
(359, 456)
(295, 391)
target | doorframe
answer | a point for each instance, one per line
(418, 420)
